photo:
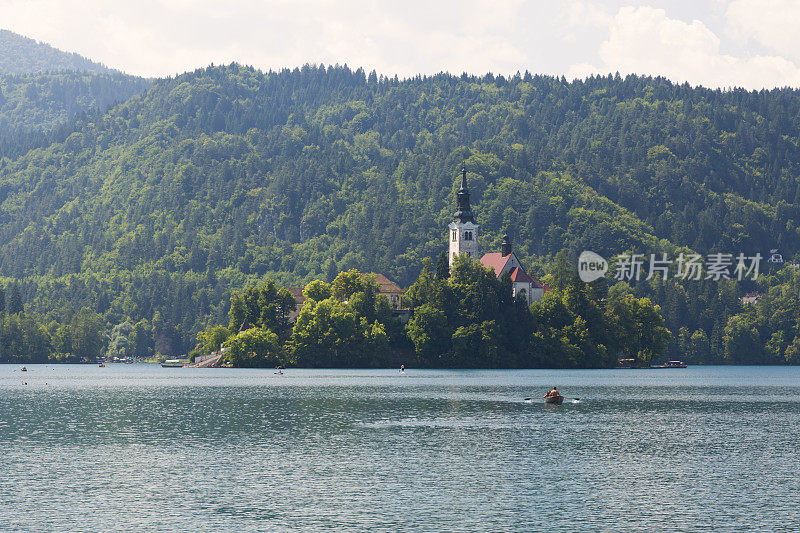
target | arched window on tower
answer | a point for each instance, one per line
(455, 235)
(467, 235)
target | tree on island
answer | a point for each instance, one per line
(342, 330)
(469, 320)
(255, 347)
(264, 306)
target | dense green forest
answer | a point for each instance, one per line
(152, 213)
(37, 110)
(43, 89)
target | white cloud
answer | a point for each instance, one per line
(577, 15)
(162, 37)
(165, 37)
(773, 23)
(644, 40)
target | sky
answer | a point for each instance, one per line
(715, 43)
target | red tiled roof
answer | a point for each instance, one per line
(386, 286)
(496, 260)
(520, 276)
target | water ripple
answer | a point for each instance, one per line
(138, 447)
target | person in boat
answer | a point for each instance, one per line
(402, 368)
(553, 393)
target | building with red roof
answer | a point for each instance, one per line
(389, 290)
(463, 240)
(522, 283)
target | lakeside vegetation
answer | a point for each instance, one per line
(150, 214)
(466, 318)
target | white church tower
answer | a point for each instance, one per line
(463, 235)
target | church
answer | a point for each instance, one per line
(463, 237)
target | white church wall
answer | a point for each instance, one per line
(463, 238)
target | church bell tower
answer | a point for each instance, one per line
(463, 235)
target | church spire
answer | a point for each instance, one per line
(505, 246)
(464, 211)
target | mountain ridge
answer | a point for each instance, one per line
(42, 89)
(23, 55)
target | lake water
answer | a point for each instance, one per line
(140, 447)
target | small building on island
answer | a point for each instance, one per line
(522, 284)
(390, 290)
(463, 239)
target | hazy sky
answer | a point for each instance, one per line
(717, 43)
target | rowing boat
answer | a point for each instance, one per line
(554, 399)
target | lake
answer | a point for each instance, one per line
(140, 447)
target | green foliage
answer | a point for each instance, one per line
(14, 303)
(37, 110)
(255, 347)
(212, 338)
(46, 93)
(318, 290)
(347, 284)
(83, 336)
(142, 340)
(330, 334)
(23, 339)
(348, 329)
(636, 325)
(263, 307)
(428, 330)
(120, 343)
(767, 332)
(580, 325)
(442, 265)
(469, 320)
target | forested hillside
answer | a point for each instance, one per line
(42, 89)
(226, 176)
(35, 109)
(21, 55)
